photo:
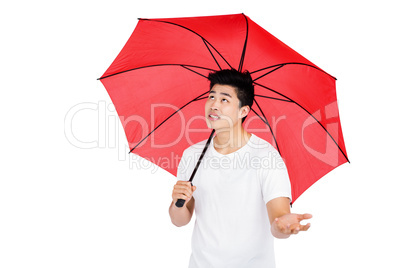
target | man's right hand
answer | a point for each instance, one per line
(182, 216)
(182, 190)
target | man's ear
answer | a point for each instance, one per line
(244, 111)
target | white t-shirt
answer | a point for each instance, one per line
(232, 228)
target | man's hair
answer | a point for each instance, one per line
(242, 83)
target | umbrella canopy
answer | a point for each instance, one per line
(158, 84)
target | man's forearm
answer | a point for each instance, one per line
(179, 216)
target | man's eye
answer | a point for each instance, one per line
(224, 100)
(211, 97)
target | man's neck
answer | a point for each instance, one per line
(228, 141)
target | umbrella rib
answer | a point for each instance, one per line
(184, 66)
(203, 98)
(280, 66)
(210, 52)
(272, 98)
(195, 99)
(244, 47)
(289, 63)
(156, 65)
(266, 122)
(270, 89)
(298, 104)
(188, 29)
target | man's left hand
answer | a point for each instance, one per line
(290, 223)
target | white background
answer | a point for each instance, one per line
(65, 206)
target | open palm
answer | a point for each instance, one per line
(290, 223)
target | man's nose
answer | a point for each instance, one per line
(214, 105)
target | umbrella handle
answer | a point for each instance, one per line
(180, 203)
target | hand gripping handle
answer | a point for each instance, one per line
(180, 202)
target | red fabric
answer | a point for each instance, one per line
(162, 67)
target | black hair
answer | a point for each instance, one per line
(241, 81)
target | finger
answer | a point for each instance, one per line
(305, 216)
(183, 194)
(183, 183)
(187, 189)
(183, 197)
(295, 228)
(305, 227)
(183, 188)
(301, 228)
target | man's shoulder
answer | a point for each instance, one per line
(258, 143)
(263, 149)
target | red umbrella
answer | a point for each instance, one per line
(159, 80)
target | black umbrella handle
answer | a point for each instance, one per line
(180, 202)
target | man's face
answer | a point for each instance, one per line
(222, 108)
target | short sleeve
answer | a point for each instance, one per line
(274, 180)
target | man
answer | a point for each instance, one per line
(241, 203)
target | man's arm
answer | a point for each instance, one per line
(284, 223)
(182, 216)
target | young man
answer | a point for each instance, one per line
(241, 193)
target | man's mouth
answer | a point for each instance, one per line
(213, 117)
